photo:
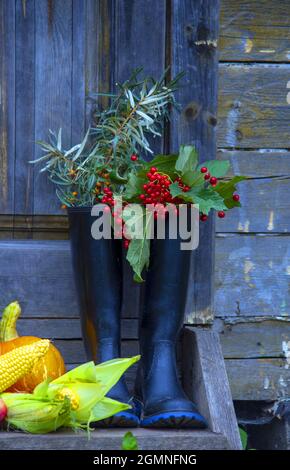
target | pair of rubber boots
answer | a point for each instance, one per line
(159, 400)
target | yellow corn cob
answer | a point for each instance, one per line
(20, 361)
(71, 395)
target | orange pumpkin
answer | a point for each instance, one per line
(51, 365)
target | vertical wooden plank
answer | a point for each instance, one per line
(140, 42)
(7, 105)
(53, 86)
(91, 54)
(206, 382)
(24, 116)
(194, 32)
(78, 71)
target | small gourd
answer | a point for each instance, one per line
(50, 365)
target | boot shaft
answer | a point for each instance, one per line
(98, 276)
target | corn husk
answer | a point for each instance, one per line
(43, 412)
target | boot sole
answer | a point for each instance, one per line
(174, 419)
(123, 420)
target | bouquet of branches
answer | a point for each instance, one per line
(108, 164)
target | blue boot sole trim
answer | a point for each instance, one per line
(175, 419)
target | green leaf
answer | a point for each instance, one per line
(138, 253)
(129, 442)
(116, 178)
(227, 189)
(164, 164)
(193, 179)
(216, 168)
(244, 438)
(187, 159)
(207, 198)
(133, 187)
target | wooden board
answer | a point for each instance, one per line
(254, 338)
(39, 274)
(258, 379)
(206, 383)
(193, 49)
(253, 107)
(53, 87)
(7, 107)
(148, 439)
(265, 207)
(252, 275)
(255, 31)
(24, 105)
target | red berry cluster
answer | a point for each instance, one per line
(213, 181)
(183, 186)
(157, 188)
(108, 197)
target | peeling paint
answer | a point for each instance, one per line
(248, 266)
(206, 42)
(288, 270)
(282, 381)
(244, 228)
(286, 352)
(266, 383)
(232, 124)
(271, 221)
(248, 45)
(267, 51)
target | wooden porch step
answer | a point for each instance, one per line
(111, 439)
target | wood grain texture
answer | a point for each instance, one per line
(66, 328)
(255, 31)
(7, 106)
(253, 107)
(194, 34)
(252, 275)
(24, 107)
(265, 207)
(79, 55)
(253, 338)
(53, 87)
(262, 163)
(258, 379)
(111, 439)
(206, 383)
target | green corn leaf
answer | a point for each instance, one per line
(106, 408)
(187, 159)
(108, 373)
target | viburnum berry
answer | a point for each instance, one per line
(107, 210)
(153, 169)
(221, 214)
(207, 176)
(236, 197)
(126, 244)
(134, 158)
(203, 217)
(213, 181)
(203, 169)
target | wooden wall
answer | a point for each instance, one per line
(44, 84)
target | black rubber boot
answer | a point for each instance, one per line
(165, 403)
(98, 275)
